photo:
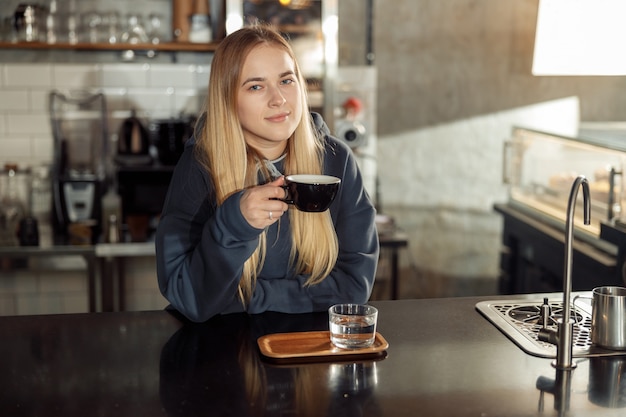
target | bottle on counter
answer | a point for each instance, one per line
(41, 193)
(41, 203)
(111, 216)
(13, 204)
(113, 230)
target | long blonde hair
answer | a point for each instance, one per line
(232, 165)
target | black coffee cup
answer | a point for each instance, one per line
(312, 193)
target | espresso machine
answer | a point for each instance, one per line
(79, 171)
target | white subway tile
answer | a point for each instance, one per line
(178, 76)
(145, 301)
(18, 282)
(27, 304)
(75, 302)
(159, 114)
(28, 75)
(143, 271)
(39, 100)
(187, 101)
(59, 281)
(37, 303)
(202, 77)
(155, 103)
(15, 149)
(28, 123)
(7, 283)
(157, 91)
(8, 305)
(116, 98)
(125, 75)
(42, 149)
(77, 76)
(14, 99)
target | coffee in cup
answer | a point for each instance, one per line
(312, 193)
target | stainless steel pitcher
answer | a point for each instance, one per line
(608, 318)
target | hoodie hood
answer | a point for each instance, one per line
(319, 124)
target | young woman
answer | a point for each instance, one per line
(225, 241)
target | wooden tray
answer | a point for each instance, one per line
(315, 347)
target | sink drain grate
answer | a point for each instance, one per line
(527, 319)
(521, 322)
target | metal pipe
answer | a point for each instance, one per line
(564, 335)
(611, 203)
(566, 326)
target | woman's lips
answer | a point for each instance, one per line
(278, 117)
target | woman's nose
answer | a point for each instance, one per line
(277, 98)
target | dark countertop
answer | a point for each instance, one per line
(444, 359)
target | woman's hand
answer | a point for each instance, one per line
(262, 205)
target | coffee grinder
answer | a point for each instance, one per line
(79, 171)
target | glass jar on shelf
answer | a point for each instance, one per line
(200, 31)
(155, 29)
(135, 32)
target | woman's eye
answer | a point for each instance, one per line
(287, 81)
(255, 87)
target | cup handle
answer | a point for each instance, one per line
(286, 199)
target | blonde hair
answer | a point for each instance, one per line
(296, 383)
(233, 166)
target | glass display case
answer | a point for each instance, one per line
(540, 169)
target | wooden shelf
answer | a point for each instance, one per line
(165, 47)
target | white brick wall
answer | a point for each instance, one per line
(154, 90)
(440, 183)
(36, 290)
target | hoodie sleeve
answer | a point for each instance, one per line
(200, 249)
(352, 278)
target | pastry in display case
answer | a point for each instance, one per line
(541, 167)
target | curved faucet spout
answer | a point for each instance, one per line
(569, 232)
(565, 337)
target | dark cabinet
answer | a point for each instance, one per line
(533, 252)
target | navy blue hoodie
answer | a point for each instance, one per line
(201, 248)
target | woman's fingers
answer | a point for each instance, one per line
(262, 205)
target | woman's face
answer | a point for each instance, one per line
(269, 100)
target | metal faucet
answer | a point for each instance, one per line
(560, 387)
(563, 337)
